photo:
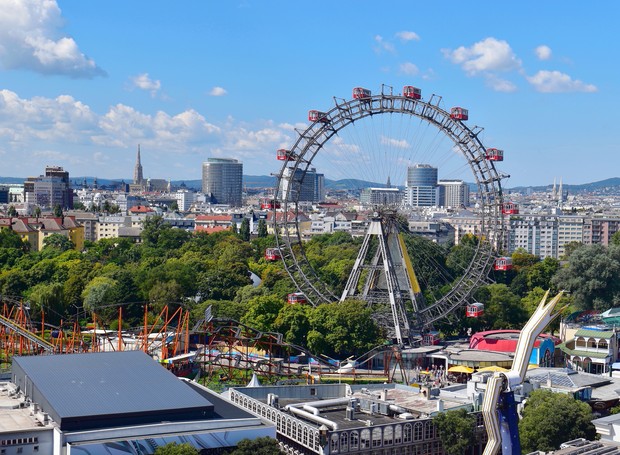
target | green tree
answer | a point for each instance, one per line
(550, 418)
(37, 212)
(262, 312)
(456, 431)
(98, 293)
(58, 242)
(262, 228)
(10, 239)
(342, 329)
(48, 298)
(592, 276)
(258, 446)
(13, 282)
(176, 449)
(224, 309)
(460, 255)
(152, 227)
(293, 323)
(244, 230)
(615, 239)
(165, 293)
(502, 307)
(541, 273)
(57, 211)
(12, 212)
(174, 206)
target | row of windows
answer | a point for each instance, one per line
(342, 442)
(19, 441)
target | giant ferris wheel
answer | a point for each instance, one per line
(374, 139)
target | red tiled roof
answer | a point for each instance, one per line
(211, 229)
(140, 209)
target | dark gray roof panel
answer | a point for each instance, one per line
(102, 389)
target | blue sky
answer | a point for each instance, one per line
(82, 83)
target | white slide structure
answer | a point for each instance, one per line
(507, 381)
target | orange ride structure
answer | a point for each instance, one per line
(162, 336)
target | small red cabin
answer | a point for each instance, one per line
(284, 155)
(459, 113)
(503, 264)
(272, 254)
(297, 298)
(317, 116)
(494, 155)
(409, 91)
(269, 204)
(360, 93)
(510, 208)
(474, 310)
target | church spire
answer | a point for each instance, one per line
(138, 179)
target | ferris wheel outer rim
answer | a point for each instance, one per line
(348, 112)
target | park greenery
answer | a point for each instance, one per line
(175, 268)
(551, 418)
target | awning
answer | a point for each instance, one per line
(460, 369)
(492, 368)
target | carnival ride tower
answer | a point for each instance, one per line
(385, 275)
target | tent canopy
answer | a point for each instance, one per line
(460, 369)
(493, 368)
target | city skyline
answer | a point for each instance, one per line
(84, 83)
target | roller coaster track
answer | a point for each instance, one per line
(36, 339)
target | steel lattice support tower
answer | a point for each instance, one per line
(387, 277)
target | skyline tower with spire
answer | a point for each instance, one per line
(138, 178)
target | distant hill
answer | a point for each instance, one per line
(611, 185)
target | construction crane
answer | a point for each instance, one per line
(499, 409)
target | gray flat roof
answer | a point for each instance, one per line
(107, 389)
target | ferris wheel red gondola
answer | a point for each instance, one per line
(510, 208)
(297, 298)
(409, 91)
(317, 116)
(360, 93)
(503, 264)
(272, 254)
(474, 310)
(493, 154)
(459, 113)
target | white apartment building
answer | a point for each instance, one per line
(109, 226)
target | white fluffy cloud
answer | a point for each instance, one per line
(66, 132)
(31, 38)
(218, 91)
(489, 54)
(396, 143)
(408, 69)
(500, 85)
(408, 36)
(543, 52)
(383, 45)
(144, 82)
(557, 82)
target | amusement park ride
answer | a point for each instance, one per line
(383, 274)
(498, 406)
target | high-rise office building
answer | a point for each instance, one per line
(222, 181)
(422, 189)
(51, 189)
(308, 187)
(453, 193)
